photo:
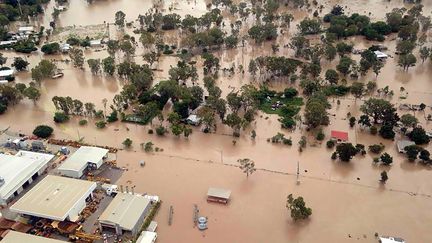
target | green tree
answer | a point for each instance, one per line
(95, 65)
(309, 26)
(408, 120)
(384, 177)
(386, 159)
(315, 114)
(60, 117)
(332, 76)
(127, 143)
(120, 19)
(386, 131)
(407, 61)
(20, 64)
(412, 152)
(32, 93)
(108, 65)
(357, 90)
(247, 166)
(344, 66)
(425, 156)
(379, 110)
(77, 57)
(419, 136)
(345, 151)
(297, 208)
(51, 48)
(43, 131)
(425, 53)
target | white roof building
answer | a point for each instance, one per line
(83, 158)
(26, 29)
(147, 237)
(95, 43)
(17, 237)
(380, 55)
(401, 144)
(125, 213)
(56, 198)
(6, 73)
(18, 171)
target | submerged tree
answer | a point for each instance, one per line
(247, 166)
(297, 207)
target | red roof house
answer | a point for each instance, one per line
(339, 135)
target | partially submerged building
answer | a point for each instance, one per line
(147, 237)
(17, 237)
(218, 195)
(56, 198)
(85, 158)
(339, 136)
(18, 171)
(125, 214)
(8, 74)
(401, 144)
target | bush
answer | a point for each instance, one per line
(127, 142)
(43, 131)
(287, 141)
(376, 148)
(387, 132)
(386, 159)
(51, 48)
(419, 136)
(60, 117)
(150, 131)
(373, 130)
(290, 93)
(82, 122)
(113, 117)
(100, 124)
(334, 156)
(3, 108)
(330, 144)
(161, 130)
(320, 136)
(352, 121)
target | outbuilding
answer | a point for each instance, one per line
(96, 43)
(56, 198)
(339, 136)
(8, 74)
(380, 55)
(401, 144)
(218, 195)
(85, 158)
(125, 214)
(18, 171)
(147, 237)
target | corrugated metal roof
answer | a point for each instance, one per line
(17, 169)
(78, 160)
(219, 193)
(125, 210)
(53, 197)
(17, 237)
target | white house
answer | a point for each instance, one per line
(381, 55)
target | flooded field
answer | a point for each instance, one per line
(348, 201)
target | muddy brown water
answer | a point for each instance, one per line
(347, 199)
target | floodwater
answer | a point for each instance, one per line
(347, 199)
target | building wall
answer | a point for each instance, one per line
(77, 209)
(140, 221)
(71, 173)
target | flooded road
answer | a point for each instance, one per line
(347, 200)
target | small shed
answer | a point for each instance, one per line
(339, 136)
(147, 237)
(381, 55)
(402, 144)
(7, 74)
(96, 43)
(193, 120)
(218, 195)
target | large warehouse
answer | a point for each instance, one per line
(84, 158)
(56, 198)
(125, 214)
(17, 237)
(18, 171)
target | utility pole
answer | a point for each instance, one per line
(298, 173)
